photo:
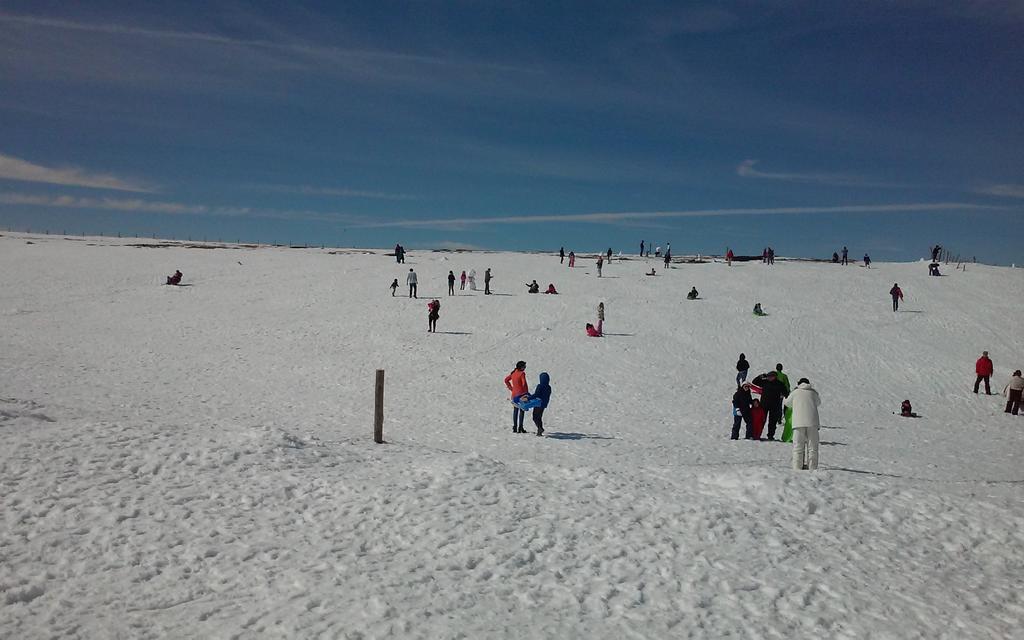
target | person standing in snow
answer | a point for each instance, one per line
(609, 255)
(804, 401)
(462, 281)
(771, 255)
(542, 392)
(600, 263)
(742, 366)
(472, 279)
(845, 252)
(561, 255)
(764, 256)
(984, 368)
(1014, 389)
(867, 261)
(433, 313)
(772, 392)
(487, 281)
(600, 314)
(398, 253)
(516, 384)
(394, 286)
(411, 281)
(757, 417)
(572, 259)
(897, 295)
(728, 256)
(451, 283)
(741, 401)
(784, 379)
(668, 257)
(641, 248)
(657, 251)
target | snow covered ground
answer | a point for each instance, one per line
(197, 461)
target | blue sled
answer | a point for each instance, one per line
(528, 404)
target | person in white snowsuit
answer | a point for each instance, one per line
(804, 401)
(411, 280)
(472, 279)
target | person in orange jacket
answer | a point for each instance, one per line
(516, 383)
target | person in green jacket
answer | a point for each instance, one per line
(786, 419)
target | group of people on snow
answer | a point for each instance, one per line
(1013, 389)
(523, 401)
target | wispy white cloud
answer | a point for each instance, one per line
(1002, 190)
(12, 168)
(138, 205)
(617, 217)
(217, 39)
(746, 170)
(306, 190)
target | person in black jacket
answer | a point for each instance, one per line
(772, 392)
(741, 401)
(742, 366)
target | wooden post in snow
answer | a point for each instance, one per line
(378, 408)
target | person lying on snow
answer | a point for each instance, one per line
(651, 273)
(595, 332)
(551, 289)
(175, 279)
(693, 294)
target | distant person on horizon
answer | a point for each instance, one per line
(462, 281)
(805, 402)
(835, 258)
(764, 256)
(728, 256)
(572, 259)
(451, 283)
(867, 261)
(641, 248)
(561, 255)
(984, 368)
(411, 280)
(600, 263)
(609, 255)
(845, 252)
(935, 252)
(487, 281)
(174, 279)
(771, 255)
(742, 366)
(668, 257)
(472, 279)
(657, 251)
(897, 295)
(433, 313)
(394, 286)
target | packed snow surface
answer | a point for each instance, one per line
(198, 461)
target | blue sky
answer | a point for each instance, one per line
(885, 126)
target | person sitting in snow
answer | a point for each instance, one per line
(551, 288)
(693, 294)
(906, 410)
(758, 311)
(394, 286)
(933, 269)
(595, 332)
(835, 257)
(651, 273)
(533, 287)
(175, 279)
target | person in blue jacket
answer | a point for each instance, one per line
(543, 393)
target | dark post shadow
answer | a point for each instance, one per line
(832, 444)
(910, 311)
(558, 435)
(456, 333)
(511, 295)
(188, 284)
(620, 334)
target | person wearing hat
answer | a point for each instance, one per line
(805, 402)
(741, 401)
(983, 367)
(516, 383)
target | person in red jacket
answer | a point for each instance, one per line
(595, 332)
(983, 367)
(516, 383)
(757, 416)
(729, 257)
(897, 295)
